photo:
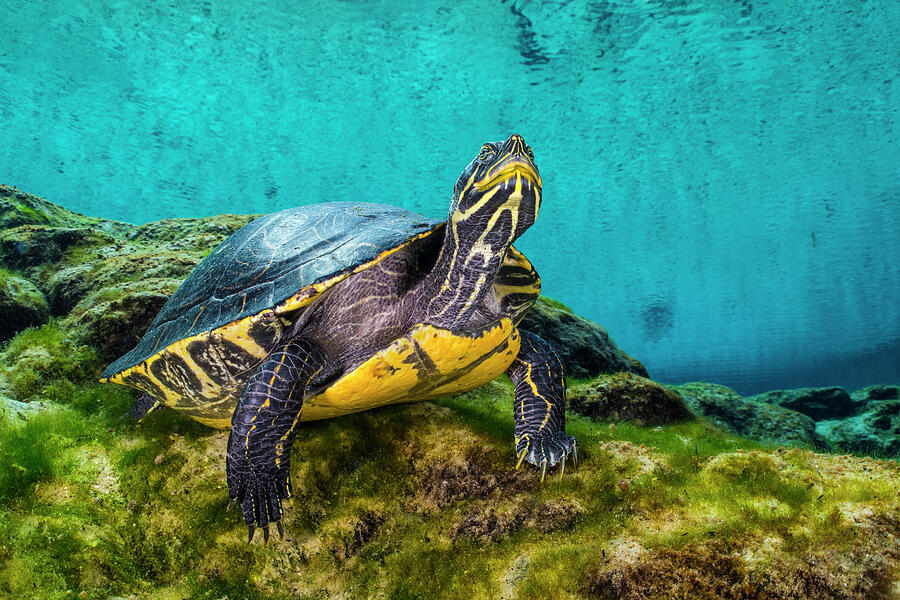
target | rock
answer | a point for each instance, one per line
(21, 208)
(875, 431)
(874, 393)
(113, 320)
(107, 279)
(69, 285)
(13, 410)
(202, 234)
(817, 403)
(38, 235)
(22, 305)
(628, 397)
(585, 347)
(749, 418)
(31, 246)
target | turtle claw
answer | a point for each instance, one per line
(231, 504)
(280, 529)
(259, 496)
(521, 457)
(575, 455)
(545, 449)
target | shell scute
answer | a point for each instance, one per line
(228, 313)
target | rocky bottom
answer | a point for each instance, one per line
(423, 501)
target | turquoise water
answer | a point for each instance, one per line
(721, 179)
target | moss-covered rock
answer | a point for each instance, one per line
(755, 420)
(195, 235)
(874, 431)
(106, 279)
(874, 393)
(817, 403)
(44, 362)
(628, 397)
(21, 208)
(22, 305)
(585, 347)
(30, 247)
(69, 285)
(113, 319)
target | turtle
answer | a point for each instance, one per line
(337, 307)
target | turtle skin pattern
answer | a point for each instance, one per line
(266, 417)
(540, 406)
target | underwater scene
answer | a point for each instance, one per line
(513, 299)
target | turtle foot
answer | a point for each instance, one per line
(545, 449)
(260, 504)
(260, 497)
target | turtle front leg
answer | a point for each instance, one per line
(144, 404)
(540, 405)
(263, 429)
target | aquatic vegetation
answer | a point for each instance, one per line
(40, 358)
(628, 397)
(21, 303)
(423, 501)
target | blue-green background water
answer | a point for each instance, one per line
(722, 178)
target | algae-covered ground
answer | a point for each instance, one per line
(422, 501)
(415, 501)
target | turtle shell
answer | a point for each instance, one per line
(232, 309)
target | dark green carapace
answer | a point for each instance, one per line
(329, 309)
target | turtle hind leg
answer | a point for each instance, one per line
(143, 405)
(540, 405)
(263, 428)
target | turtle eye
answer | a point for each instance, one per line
(529, 153)
(486, 152)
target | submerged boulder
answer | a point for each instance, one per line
(874, 393)
(875, 431)
(585, 347)
(21, 208)
(817, 403)
(68, 286)
(22, 305)
(747, 417)
(628, 397)
(106, 279)
(114, 319)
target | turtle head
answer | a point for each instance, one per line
(499, 194)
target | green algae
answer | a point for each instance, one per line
(44, 361)
(418, 501)
(557, 304)
(367, 520)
